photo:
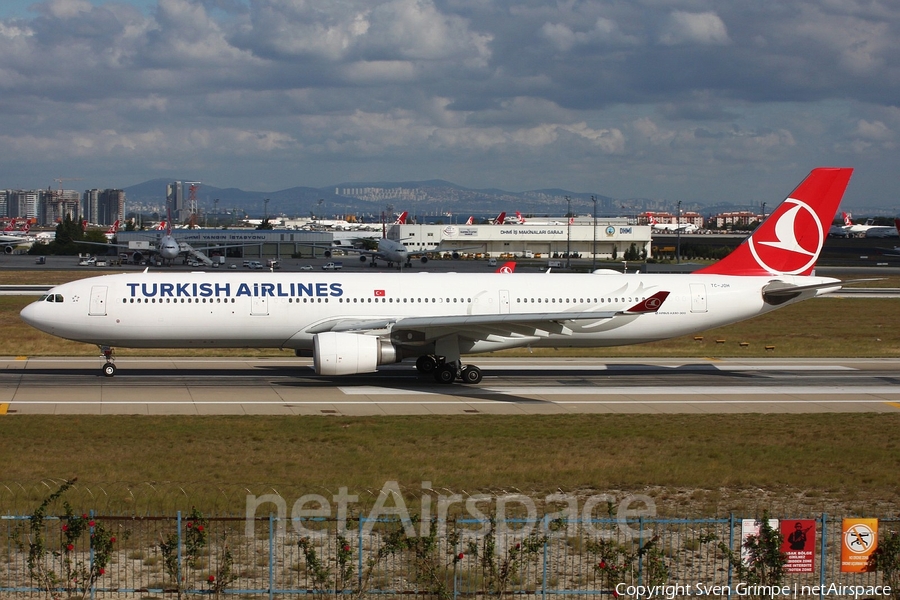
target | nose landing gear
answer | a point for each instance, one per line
(109, 369)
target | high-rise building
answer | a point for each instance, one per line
(175, 200)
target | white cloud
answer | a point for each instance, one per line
(694, 28)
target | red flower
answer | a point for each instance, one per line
(65, 527)
(112, 540)
(518, 546)
(615, 594)
(84, 516)
(102, 570)
(211, 578)
(199, 527)
(602, 564)
(91, 524)
(346, 548)
(460, 556)
(70, 547)
(190, 524)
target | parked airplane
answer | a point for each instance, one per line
(111, 232)
(856, 230)
(18, 238)
(353, 322)
(672, 227)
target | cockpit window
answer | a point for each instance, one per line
(42, 298)
(59, 298)
(54, 298)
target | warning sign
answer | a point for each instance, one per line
(799, 545)
(859, 539)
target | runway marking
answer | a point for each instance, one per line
(894, 404)
(3, 408)
(709, 390)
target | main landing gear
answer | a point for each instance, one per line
(109, 369)
(448, 372)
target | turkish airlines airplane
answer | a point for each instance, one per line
(671, 227)
(353, 322)
(855, 230)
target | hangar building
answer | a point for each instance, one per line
(548, 239)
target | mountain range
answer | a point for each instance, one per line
(370, 199)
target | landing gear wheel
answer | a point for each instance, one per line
(471, 374)
(445, 374)
(109, 369)
(426, 364)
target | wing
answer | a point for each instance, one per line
(418, 331)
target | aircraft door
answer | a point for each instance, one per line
(698, 298)
(504, 302)
(98, 301)
(259, 306)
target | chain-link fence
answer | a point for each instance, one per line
(268, 557)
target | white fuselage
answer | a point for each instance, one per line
(285, 310)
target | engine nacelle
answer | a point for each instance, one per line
(327, 254)
(363, 258)
(455, 255)
(424, 259)
(8, 249)
(338, 353)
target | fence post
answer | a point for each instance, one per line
(271, 556)
(544, 573)
(91, 559)
(359, 552)
(178, 552)
(640, 546)
(730, 545)
(823, 548)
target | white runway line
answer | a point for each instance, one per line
(710, 390)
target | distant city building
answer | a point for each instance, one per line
(741, 218)
(175, 199)
(687, 218)
(49, 207)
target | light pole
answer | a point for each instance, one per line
(569, 232)
(216, 210)
(594, 240)
(266, 215)
(678, 233)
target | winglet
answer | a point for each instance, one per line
(790, 239)
(648, 305)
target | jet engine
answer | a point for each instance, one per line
(338, 353)
(424, 259)
(8, 249)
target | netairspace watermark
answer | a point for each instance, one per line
(480, 510)
(700, 590)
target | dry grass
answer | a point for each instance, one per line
(821, 454)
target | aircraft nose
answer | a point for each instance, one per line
(29, 314)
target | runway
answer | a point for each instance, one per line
(239, 386)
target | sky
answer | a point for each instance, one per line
(684, 100)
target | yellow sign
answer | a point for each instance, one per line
(859, 539)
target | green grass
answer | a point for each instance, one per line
(215, 461)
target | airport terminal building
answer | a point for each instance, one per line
(548, 239)
(246, 243)
(610, 238)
